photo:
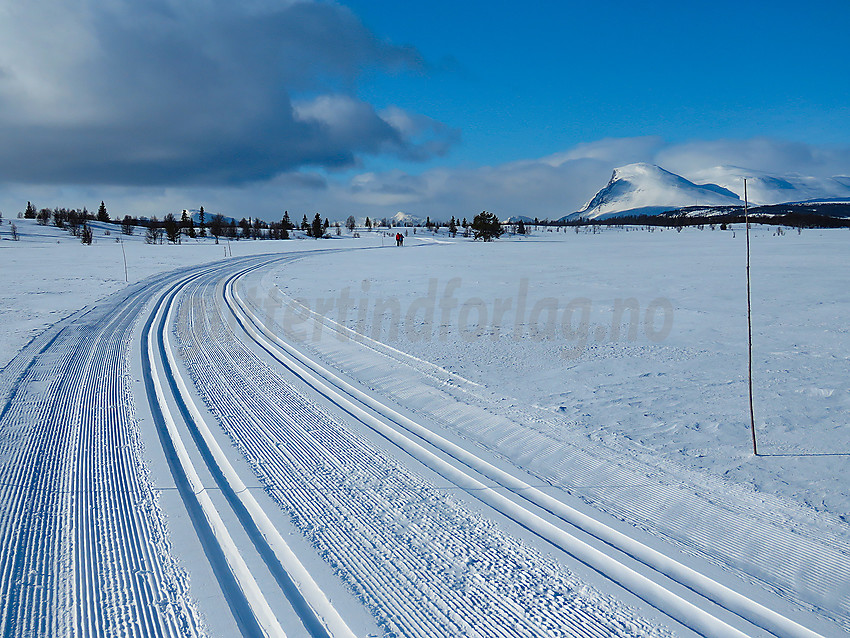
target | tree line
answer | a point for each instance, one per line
(170, 228)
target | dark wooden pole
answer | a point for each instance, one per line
(124, 254)
(750, 323)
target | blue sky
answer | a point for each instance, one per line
(435, 108)
(533, 78)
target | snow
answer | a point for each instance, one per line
(676, 400)
(649, 189)
(49, 274)
(515, 219)
(406, 219)
(468, 428)
(647, 385)
(646, 189)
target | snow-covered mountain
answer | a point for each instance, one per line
(515, 219)
(764, 188)
(406, 219)
(647, 189)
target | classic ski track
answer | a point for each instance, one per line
(319, 617)
(409, 436)
(74, 502)
(78, 529)
(367, 517)
(767, 542)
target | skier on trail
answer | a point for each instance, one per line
(399, 239)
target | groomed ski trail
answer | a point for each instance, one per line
(253, 613)
(421, 563)
(83, 546)
(473, 474)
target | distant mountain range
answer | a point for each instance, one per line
(647, 189)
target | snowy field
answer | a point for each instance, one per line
(638, 339)
(49, 274)
(541, 436)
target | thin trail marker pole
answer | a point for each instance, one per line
(750, 323)
(124, 254)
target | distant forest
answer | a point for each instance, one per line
(815, 215)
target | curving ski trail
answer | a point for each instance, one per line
(421, 563)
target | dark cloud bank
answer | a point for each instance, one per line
(194, 92)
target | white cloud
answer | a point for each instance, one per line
(762, 154)
(619, 150)
(561, 183)
(541, 187)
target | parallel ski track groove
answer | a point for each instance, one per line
(311, 622)
(200, 514)
(78, 553)
(766, 542)
(267, 420)
(697, 618)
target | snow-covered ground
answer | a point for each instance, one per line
(678, 390)
(467, 430)
(526, 330)
(48, 273)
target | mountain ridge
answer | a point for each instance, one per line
(648, 189)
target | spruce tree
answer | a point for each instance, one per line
(202, 223)
(102, 215)
(316, 228)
